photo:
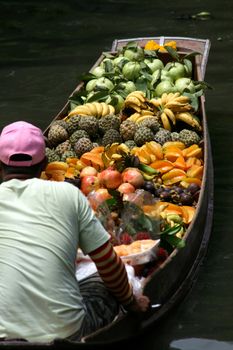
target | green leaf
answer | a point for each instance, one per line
(141, 83)
(132, 45)
(108, 55)
(202, 85)
(194, 101)
(173, 53)
(86, 77)
(98, 96)
(176, 242)
(169, 231)
(191, 54)
(151, 53)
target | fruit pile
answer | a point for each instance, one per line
(133, 134)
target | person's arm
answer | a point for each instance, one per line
(114, 275)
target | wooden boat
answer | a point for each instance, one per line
(168, 285)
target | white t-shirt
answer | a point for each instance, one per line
(42, 223)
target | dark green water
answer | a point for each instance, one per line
(46, 45)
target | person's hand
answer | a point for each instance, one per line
(139, 304)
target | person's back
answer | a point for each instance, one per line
(38, 245)
(42, 224)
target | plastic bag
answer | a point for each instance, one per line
(86, 267)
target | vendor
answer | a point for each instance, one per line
(42, 225)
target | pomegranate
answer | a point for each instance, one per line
(126, 187)
(88, 170)
(133, 176)
(89, 183)
(98, 196)
(110, 178)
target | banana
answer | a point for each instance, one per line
(174, 104)
(146, 112)
(164, 98)
(173, 95)
(144, 117)
(180, 233)
(170, 115)
(99, 109)
(132, 100)
(105, 109)
(172, 230)
(110, 150)
(106, 160)
(92, 108)
(146, 176)
(165, 121)
(111, 109)
(134, 117)
(116, 156)
(156, 102)
(138, 94)
(148, 169)
(81, 110)
(134, 106)
(189, 119)
(122, 147)
(178, 106)
(182, 99)
(175, 218)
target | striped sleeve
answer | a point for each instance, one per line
(112, 271)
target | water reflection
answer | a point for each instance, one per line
(200, 344)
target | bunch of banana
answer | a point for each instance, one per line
(172, 100)
(139, 117)
(173, 107)
(96, 109)
(136, 100)
(114, 153)
(189, 119)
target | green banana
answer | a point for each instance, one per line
(175, 218)
(147, 169)
(146, 176)
(171, 230)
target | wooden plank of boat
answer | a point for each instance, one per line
(173, 279)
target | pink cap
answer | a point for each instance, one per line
(21, 138)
